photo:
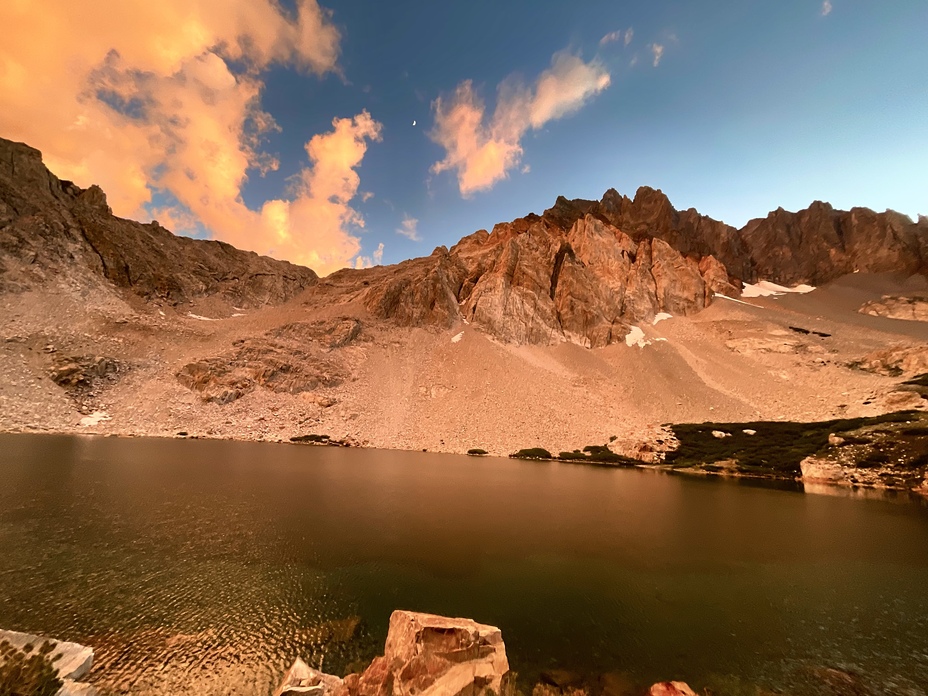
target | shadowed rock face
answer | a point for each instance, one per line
(820, 243)
(52, 227)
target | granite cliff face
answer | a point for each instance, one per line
(53, 229)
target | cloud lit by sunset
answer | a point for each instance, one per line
(295, 129)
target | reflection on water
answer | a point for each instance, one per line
(205, 567)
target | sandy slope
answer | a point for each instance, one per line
(419, 389)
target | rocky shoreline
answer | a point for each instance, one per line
(887, 462)
(424, 655)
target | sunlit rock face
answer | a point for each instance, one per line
(534, 281)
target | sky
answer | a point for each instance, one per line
(344, 133)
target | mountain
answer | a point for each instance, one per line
(542, 332)
(52, 228)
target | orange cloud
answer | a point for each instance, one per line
(141, 97)
(483, 153)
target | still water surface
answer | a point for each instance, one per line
(205, 567)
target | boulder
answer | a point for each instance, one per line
(440, 655)
(822, 470)
(71, 660)
(424, 655)
(303, 679)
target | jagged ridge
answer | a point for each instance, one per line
(583, 271)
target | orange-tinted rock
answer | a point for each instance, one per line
(671, 688)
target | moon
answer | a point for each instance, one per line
(413, 123)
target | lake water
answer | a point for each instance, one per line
(205, 567)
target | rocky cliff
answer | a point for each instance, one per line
(51, 229)
(584, 271)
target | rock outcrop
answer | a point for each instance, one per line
(426, 655)
(51, 228)
(907, 308)
(907, 360)
(69, 662)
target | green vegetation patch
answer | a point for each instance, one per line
(28, 671)
(532, 453)
(777, 448)
(321, 439)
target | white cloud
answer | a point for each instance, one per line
(618, 35)
(374, 259)
(610, 37)
(826, 8)
(658, 51)
(165, 97)
(526, 169)
(482, 152)
(366, 196)
(408, 228)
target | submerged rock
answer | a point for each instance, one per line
(671, 688)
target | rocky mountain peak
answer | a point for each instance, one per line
(583, 271)
(51, 228)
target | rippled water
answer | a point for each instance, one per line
(206, 567)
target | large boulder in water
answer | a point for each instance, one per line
(425, 654)
(671, 688)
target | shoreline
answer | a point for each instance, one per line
(795, 483)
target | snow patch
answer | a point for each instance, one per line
(661, 316)
(457, 338)
(635, 337)
(238, 314)
(197, 316)
(94, 418)
(764, 288)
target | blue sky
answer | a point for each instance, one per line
(752, 105)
